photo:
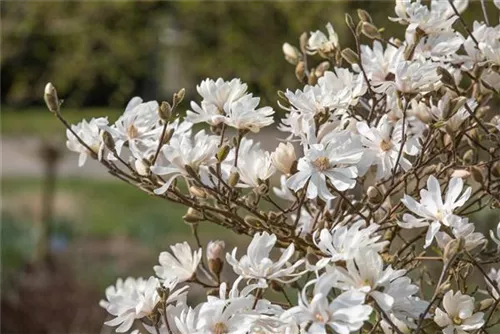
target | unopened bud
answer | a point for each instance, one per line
(234, 178)
(192, 216)
(446, 77)
(292, 54)
(190, 170)
(215, 250)
(197, 192)
(300, 71)
(312, 79)
(450, 250)
(165, 111)
(168, 135)
(284, 157)
(349, 21)
(142, 167)
(364, 16)
(485, 304)
(370, 31)
(350, 56)
(303, 42)
(108, 140)
(468, 157)
(222, 153)
(51, 99)
(321, 69)
(461, 173)
(374, 195)
(178, 97)
(477, 174)
(262, 189)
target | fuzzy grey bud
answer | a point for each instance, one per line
(51, 99)
(370, 31)
(165, 111)
(350, 56)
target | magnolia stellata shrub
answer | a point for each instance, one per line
(359, 217)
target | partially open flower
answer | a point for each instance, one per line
(284, 158)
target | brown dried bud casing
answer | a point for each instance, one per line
(108, 140)
(178, 97)
(477, 174)
(370, 31)
(350, 56)
(349, 21)
(51, 99)
(446, 77)
(364, 16)
(197, 192)
(234, 178)
(193, 216)
(215, 256)
(300, 71)
(321, 69)
(165, 111)
(215, 266)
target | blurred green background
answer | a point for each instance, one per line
(99, 55)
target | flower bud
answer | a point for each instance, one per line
(364, 16)
(468, 156)
(168, 135)
(292, 54)
(374, 195)
(192, 216)
(51, 99)
(178, 97)
(234, 178)
(370, 31)
(284, 157)
(165, 111)
(495, 169)
(321, 69)
(350, 56)
(303, 42)
(253, 221)
(222, 153)
(215, 256)
(142, 167)
(477, 174)
(450, 250)
(485, 304)
(461, 173)
(300, 71)
(108, 140)
(197, 192)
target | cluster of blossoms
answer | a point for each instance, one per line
(368, 223)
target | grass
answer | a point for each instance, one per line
(40, 122)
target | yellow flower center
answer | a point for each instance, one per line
(220, 328)
(385, 145)
(132, 131)
(457, 320)
(319, 318)
(322, 163)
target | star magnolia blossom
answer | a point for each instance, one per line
(183, 151)
(431, 209)
(180, 266)
(319, 42)
(383, 146)
(333, 162)
(458, 315)
(90, 133)
(343, 243)
(256, 264)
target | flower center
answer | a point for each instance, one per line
(220, 328)
(132, 131)
(385, 145)
(439, 215)
(457, 320)
(319, 318)
(322, 163)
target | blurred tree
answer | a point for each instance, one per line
(97, 52)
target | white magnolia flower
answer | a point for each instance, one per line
(438, 19)
(283, 158)
(442, 112)
(431, 209)
(416, 76)
(256, 264)
(343, 243)
(343, 87)
(136, 298)
(254, 164)
(319, 42)
(487, 49)
(380, 64)
(206, 112)
(215, 250)
(461, 230)
(183, 151)
(138, 125)
(366, 273)
(220, 92)
(383, 146)
(344, 314)
(180, 266)
(333, 162)
(439, 47)
(243, 115)
(494, 276)
(90, 133)
(458, 316)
